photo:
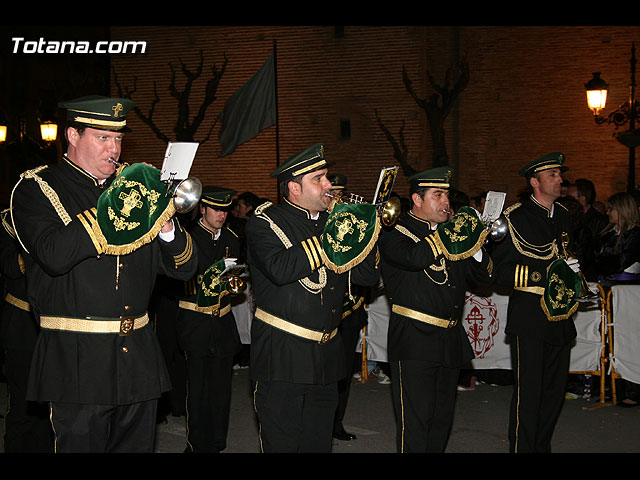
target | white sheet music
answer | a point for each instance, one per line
(178, 159)
(493, 205)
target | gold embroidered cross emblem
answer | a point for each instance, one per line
(117, 108)
(131, 200)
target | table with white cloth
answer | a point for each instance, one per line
(626, 331)
(484, 318)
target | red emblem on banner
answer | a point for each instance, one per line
(482, 323)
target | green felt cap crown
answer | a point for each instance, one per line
(306, 161)
(545, 162)
(439, 177)
(102, 113)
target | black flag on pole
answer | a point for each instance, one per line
(251, 109)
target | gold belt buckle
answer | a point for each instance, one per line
(126, 326)
(326, 336)
(452, 323)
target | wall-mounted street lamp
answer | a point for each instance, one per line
(48, 132)
(627, 113)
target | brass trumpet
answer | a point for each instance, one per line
(585, 291)
(389, 211)
(186, 194)
(235, 284)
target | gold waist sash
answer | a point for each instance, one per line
(195, 308)
(16, 302)
(423, 317)
(292, 328)
(122, 326)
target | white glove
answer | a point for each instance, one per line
(229, 262)
(574, 264)
(478, 256)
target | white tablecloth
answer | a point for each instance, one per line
(626, 331)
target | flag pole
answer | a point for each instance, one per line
(275, 84)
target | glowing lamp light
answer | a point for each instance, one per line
(596, 93)
(49, 131)
(3, 133)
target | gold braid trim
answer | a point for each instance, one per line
(146, 238)
(464, 255)
(309, 285)
(186, 254)
(557, 318)
(359, 258)
(49, 192)
(435, 248)
(7, 226)
(90, 224)
(519, 241)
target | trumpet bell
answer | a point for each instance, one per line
(391, 211)
(498, 229)
(187, 194)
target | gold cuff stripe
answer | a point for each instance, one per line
(521, 276)
(315, 250)
(89, 325)
(423, 317)
(186, 254)
(16, 302)
(309, 256)
(216, 311)
(90, 224)
(357, 305)
(292, 328)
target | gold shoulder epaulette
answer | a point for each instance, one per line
(510, 209)
(262, 207)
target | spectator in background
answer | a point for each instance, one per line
(584, 191)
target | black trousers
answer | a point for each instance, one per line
(295, 418)
(350, 337)
(424, 395)
(27, 428)
(104, 428)
(540, 372)
(208, 402)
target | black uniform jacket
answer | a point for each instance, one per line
(204, 333)
(521, 262)
(287, 273)
(18, 328)
(66, 277)
(417, 278)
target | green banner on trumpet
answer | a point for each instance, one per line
(560, 298)
(132, 211)
(462, 236)
(212, 288)
(349, 235)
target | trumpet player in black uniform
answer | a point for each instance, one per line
(540, 342)
(96, 360)
(426, 267)
(297, 354)
(207, 332)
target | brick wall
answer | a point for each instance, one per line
(525, 98)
